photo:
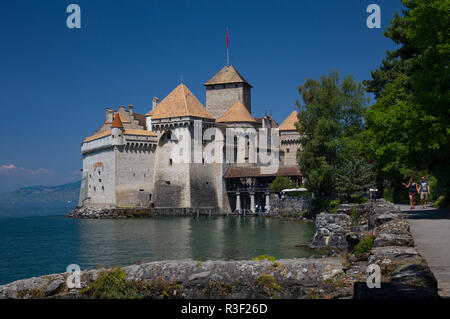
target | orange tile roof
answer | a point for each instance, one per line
(180, 102)
(289, 122)
(228, 74)
(139, 132)
(117, 122)
(97, 136)
(236, 113)
(151, 112)
(123, 118)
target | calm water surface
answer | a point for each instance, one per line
(34, 246)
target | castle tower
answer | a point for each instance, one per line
(183, 181)
(226, 88)
(289, 140)
(117, 130)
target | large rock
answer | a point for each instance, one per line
(403, 265)
(331, 230)
(381, 215)
(394, 233)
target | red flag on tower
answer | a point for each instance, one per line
(227, 38)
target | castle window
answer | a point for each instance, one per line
(103, 188)
(150, 197)
(170, 162)
(99, 180)
(287, 150)
(236, 85)
(168, 182)
(94, 189)
(203, 161)
(141, 190)
(207, 183)
(90, 175)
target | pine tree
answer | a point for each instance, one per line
(353, 179)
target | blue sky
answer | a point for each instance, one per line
(55, 82)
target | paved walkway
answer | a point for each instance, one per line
(430, 228)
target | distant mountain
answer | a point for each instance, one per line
(61, 195)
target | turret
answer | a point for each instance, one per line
(117, 130)
(148, 119)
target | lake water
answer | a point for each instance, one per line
(40, 245)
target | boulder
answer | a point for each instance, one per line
(403, 265)
(331, 230)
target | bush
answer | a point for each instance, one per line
(320, 205)
(334, 205)
(442, 202)
(364, 246)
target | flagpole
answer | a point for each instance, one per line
(228, 55)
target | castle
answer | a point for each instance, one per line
(129, 161)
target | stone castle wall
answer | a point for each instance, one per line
(99, 171)
(134, 176)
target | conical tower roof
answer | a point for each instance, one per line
(289, 122)
(228, 74)
(236, 113)
(117, 122)
(180, 102)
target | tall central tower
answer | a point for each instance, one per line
(226, 88)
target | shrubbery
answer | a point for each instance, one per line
(364, 246)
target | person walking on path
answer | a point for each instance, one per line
(413, 189)
(424, 192)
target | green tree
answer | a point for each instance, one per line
(409, 123)
(353, 179)
(332, 115)
(280, 183)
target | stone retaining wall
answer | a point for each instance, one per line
(288, 278)
(111, 213)
(403, 269)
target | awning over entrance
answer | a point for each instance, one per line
(255, 171)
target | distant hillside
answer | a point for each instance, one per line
(42, 195)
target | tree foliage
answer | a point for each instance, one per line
(280, 183)
(354, 177)
(409, 123)
(329, 122)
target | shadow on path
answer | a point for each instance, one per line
(427, 213)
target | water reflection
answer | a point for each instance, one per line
(120, 242)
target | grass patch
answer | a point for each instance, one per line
(265, 257)
(270, 285)
(113, 284)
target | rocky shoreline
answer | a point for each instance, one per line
(342, 274)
